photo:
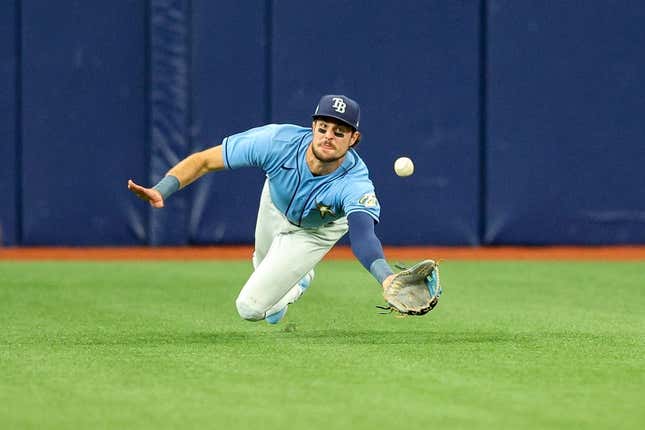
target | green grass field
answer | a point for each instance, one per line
(516, 345)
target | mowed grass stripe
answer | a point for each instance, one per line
(160, 345)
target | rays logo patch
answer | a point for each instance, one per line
(368, 200)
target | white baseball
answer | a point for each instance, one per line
(403, 166)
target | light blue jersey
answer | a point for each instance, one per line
(306, 200)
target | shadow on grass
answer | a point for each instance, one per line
(359, 337)
(315, 337)
(308, 337)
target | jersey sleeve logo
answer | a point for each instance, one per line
(368, 200)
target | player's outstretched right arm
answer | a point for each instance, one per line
(196, 165)
(183, 173)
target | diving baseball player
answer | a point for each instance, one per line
(317, 188)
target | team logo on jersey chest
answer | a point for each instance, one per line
(325, 210)
(368, 200)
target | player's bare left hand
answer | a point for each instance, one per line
(151, 195)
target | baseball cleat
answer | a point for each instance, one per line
(276, 317)
(304, 283)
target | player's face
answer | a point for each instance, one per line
(332, 140)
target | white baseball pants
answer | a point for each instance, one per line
(284, 254)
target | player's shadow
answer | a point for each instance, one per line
(311, 337)
(385, 337)
(361, 337)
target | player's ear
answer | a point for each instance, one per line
(356, 136)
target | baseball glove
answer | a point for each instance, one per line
(415, 290)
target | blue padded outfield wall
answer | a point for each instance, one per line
(84, 128)
(565, 145)
(229, 94)
(9, 169)
(526, 120)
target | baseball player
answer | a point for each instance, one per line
(316, 189)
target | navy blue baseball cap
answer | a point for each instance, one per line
(339, 107)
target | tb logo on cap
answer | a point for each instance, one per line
(339, 105)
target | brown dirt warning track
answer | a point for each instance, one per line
(612, 253)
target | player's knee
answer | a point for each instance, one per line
(249, 310)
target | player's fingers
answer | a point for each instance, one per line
(134, 187)
(138, 189)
